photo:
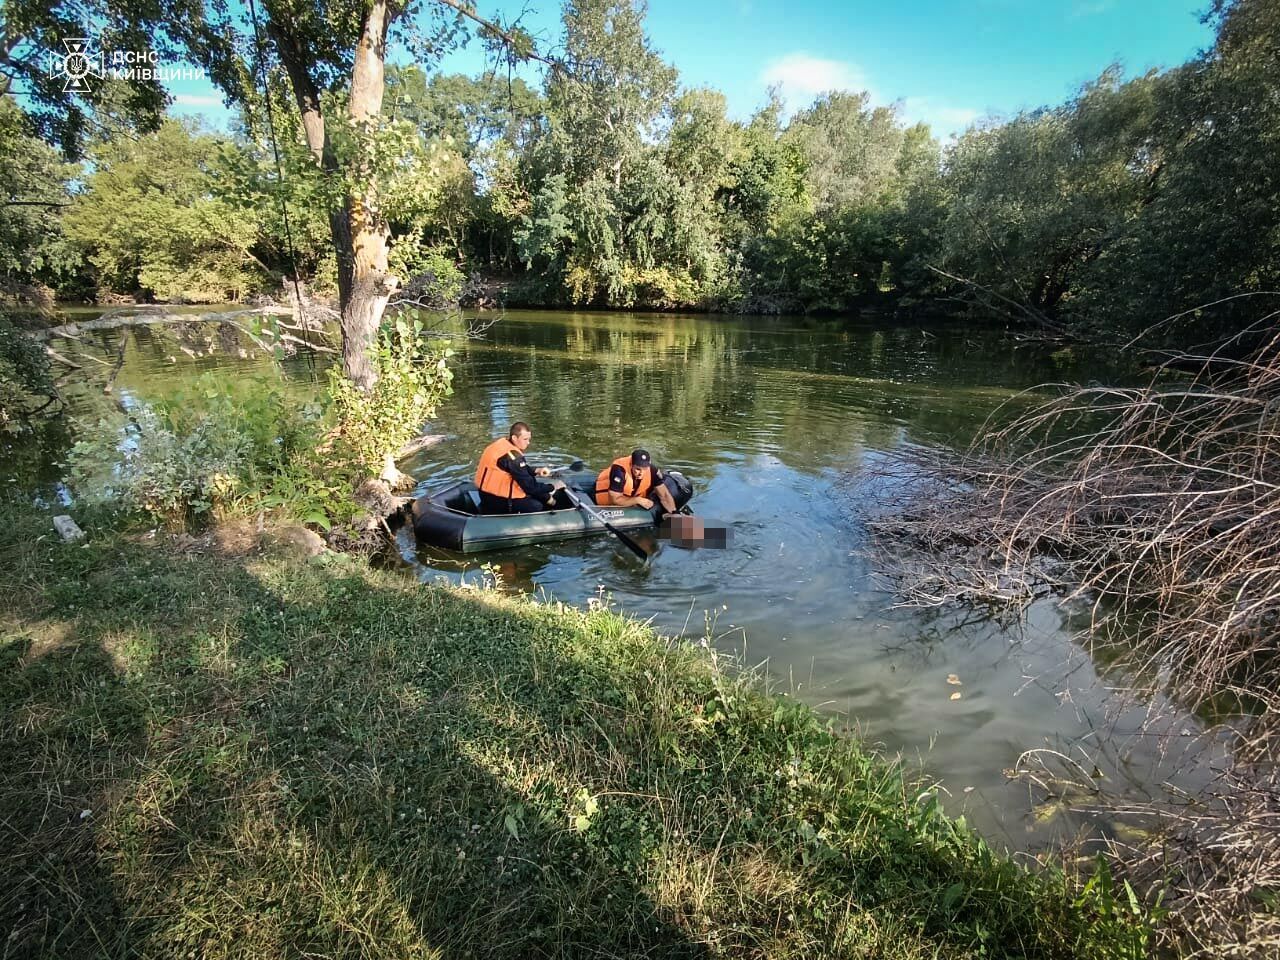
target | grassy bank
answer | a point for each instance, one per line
(269, 756)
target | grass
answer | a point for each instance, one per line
(265, 757)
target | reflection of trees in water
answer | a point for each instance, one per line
(684, 386)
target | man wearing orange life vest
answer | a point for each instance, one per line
(633, 482)
(506, 482)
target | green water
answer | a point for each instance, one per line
(785, 427)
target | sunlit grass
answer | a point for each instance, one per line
(280, 757)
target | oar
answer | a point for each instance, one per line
(635, 548)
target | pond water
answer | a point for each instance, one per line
(784, 426)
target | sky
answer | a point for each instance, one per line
(946, 62)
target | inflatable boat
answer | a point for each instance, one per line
(450, 517)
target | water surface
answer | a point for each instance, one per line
(784, 426)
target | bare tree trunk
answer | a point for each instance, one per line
(367, 230)
(360, 234)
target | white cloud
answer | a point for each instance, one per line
(197, 100)
(804, 77)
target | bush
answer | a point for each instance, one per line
(413, 377)
(431, 276)
(213, 449)
(246, 446)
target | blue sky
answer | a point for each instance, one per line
(947, 62)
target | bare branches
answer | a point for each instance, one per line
(517, 43)
(1158, 505)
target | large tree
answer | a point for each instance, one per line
(324, 47)
(334, 55)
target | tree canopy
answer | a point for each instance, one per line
(613, 184)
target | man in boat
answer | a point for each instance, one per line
(633, 482)
(507, 483)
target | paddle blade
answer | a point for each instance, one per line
(634, 547)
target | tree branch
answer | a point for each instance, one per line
(505, 35)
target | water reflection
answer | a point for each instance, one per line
(783, 426)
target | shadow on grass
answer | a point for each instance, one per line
(61, 738)
(288, 758)
(268, 775)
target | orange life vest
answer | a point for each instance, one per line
(492, 479)
(630, 486)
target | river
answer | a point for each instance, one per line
(784, 426)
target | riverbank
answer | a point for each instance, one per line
(265, 754)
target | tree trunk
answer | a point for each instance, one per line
(367, 231)
(360, 233)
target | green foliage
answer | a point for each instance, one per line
(1209, 226)
(222, 446)
(620, 186)
(413, 376)
(32, 29)
(26, 384)
(614, 186)
(1033, 202)
(466, 112)
(435, 280)
(1135, 201)
(248, 181)
(245, 446)
(34, 182)
(150, 220)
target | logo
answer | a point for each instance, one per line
(83, 61)
(80, 62)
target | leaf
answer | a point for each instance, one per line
(952, 895)
(319, 519)
(513, 826)
(956, 695)
(953, 680)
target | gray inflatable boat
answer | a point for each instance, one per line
(450, 518)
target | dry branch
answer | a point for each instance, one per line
(1159, 505)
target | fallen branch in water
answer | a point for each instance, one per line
(418, 444)
(115, 319)
(55, 355)
(115, 370)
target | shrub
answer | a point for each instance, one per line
(212, 448)
(413, 377)
(245, 446)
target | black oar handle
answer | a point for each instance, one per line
(638, 550)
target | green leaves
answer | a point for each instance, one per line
(585, 806)
(33, 248)
(152, 218)
(413, 376)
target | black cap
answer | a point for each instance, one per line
(640, 458)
